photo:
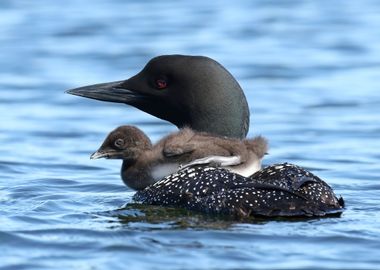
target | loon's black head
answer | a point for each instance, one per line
(192, 91)
(124, 142)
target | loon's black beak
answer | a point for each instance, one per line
(111, 91)
(136, 92)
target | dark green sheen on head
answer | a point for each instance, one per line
(192, 91)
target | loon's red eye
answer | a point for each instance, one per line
(161, 84)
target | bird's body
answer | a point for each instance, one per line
(218, 191)
(200, 93)
(144, 163)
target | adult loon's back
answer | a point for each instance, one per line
(271, 192)
(198, 92)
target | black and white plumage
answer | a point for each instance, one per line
(296, 179)
(268, 193)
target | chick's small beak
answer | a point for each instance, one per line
(99, 154)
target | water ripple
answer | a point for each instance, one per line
(311, 79)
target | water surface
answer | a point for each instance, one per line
(311, 75)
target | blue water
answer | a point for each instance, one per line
(311, 74)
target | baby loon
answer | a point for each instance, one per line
(144, 163)
(218, 191)
(193, 91)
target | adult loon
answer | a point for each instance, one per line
(144, 163)
(198, 92)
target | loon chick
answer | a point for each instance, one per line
(179, 89)
(144, 163)
(218, 191)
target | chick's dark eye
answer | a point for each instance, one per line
(161, 84)
(119, 143)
